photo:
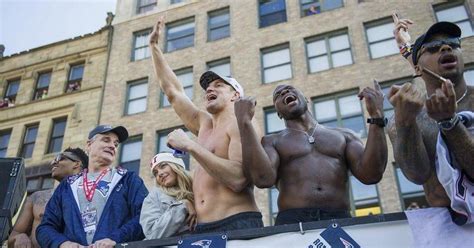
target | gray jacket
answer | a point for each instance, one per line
(162, 215)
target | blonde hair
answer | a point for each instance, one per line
(184, 186)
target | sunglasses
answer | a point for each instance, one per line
(63, 156)
(434, 46)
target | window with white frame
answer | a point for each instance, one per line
(313, 7)
(412, 195)
(221, 67)
(365, 198)
(145, 6)
(137, 92)
(4, 140)
(162, 145)
(180, 34)
(185, 77)
(130, 154)
(341, 110)
(329, 51)
(218, 24)
(57, 135)
(456, 14)
(141, 49)
(276, 63)
(380, 38)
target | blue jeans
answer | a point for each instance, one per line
(242, 220)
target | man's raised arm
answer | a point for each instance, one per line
(186, 110)
(368, 165)
(408, 147)
(259, 162)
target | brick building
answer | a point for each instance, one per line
(54, 93)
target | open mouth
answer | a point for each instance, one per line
(289, 99)
(448, 60)
(211, 97)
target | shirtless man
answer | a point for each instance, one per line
(414, 130)
(308, 162)
(223, 195)
(69, 162)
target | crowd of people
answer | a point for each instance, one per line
(309, 163)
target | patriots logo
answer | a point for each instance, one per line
(204, 243)
(103, 187)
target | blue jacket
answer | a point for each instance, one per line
(119, 221)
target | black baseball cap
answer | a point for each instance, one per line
(120, 131)
(448, 28)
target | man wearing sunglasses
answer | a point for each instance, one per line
(99, 207)
(416, 132)
(70, 162)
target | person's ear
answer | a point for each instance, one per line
(235, 97)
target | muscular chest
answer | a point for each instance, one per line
(215, 141)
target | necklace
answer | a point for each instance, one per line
(310, 137)
(462, 97)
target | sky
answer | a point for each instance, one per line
(26, 24)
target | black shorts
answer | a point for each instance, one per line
(296, 215)
(242, 220)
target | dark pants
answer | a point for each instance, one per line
(242, 220)
(296, 215)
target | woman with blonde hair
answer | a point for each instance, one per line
(169, 207)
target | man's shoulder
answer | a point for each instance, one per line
(41, 197)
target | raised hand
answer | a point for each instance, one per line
(244, 108)
(442, 104)
(157, 29)
(401, 29)
(407, 102)
(373, 100)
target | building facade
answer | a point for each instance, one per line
(50, 101)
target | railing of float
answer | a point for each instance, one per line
(385, 230)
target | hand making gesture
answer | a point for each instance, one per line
(157, 29)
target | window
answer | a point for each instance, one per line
(57, 135)
(163, 141)
(341, 110)
(221, 67)
(180, 35)
(312, 7)
(218, 25)
(175, 1)
(75, 78)
(42, 85)
(273, 200)
(365, 200)
(273, 123)
(140, 45)
(12, 90)
(412, 195)
(456, 14)
(130, 154)
(276, 63)
(29, 141)
(381, 40)
(4, 139)
(328, 52)
(38, 183)
(136, 97)
(145, 6)
(469, 75)
(271, 12)
(185, 77)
